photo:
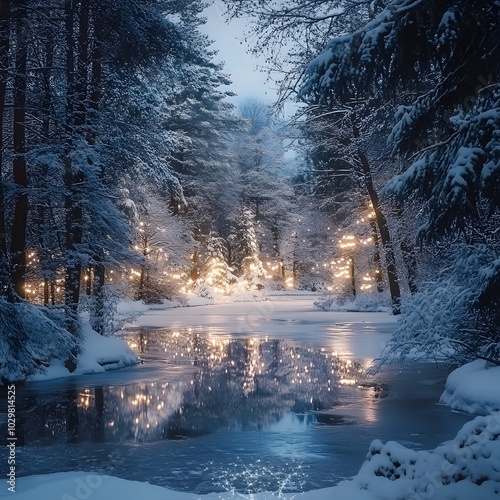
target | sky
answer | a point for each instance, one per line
(248, 81)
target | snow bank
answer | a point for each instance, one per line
(466, 467)
(78, 485)
(473, 388)
(98, 354)
(362, 303)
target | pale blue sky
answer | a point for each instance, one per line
(248, 81)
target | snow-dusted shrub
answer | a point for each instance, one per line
(275, 285)
(367, 302)
(444, 319)
(325, 303)
(312, 285)
(455, 469)
(29, 338)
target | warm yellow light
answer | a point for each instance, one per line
(347, 381)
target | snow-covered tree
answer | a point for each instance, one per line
(246, 251)
(164, 241)
(435, 66)
(88, 95)
(343, 117)
(216, 276)
(266, 189)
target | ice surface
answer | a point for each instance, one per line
(361, 335)
(465, 467)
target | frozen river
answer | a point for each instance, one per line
(249, 397)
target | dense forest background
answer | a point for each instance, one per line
(125, 171)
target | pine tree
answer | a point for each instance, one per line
(434, 65)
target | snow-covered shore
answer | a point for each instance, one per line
(77, 485)
(98, 354)
(473, 388)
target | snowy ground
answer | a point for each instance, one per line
(466, 467)
(78, 485)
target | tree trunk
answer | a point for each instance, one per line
(95, 98)
(46, 295)
(46, 112)
(96, 77)
(143, 291)
(295, 269)
(5, 23)
(20, 174)
(46, 103)
(385, 236)
(79, 109)
(99, 297)
(75, 122)
(353, 277)
(81, 84)
(383, 229)
(195, 271)
(377, 261)
(73, 265)
(88, 280)
(275, 229)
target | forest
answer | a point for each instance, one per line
(127, 174)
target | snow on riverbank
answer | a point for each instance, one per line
(463, 468)
(466, 467)
(473, 388)
(76, 485)
(98, 354)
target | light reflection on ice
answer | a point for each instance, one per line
(210, 383)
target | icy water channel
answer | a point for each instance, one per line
(215, 409)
